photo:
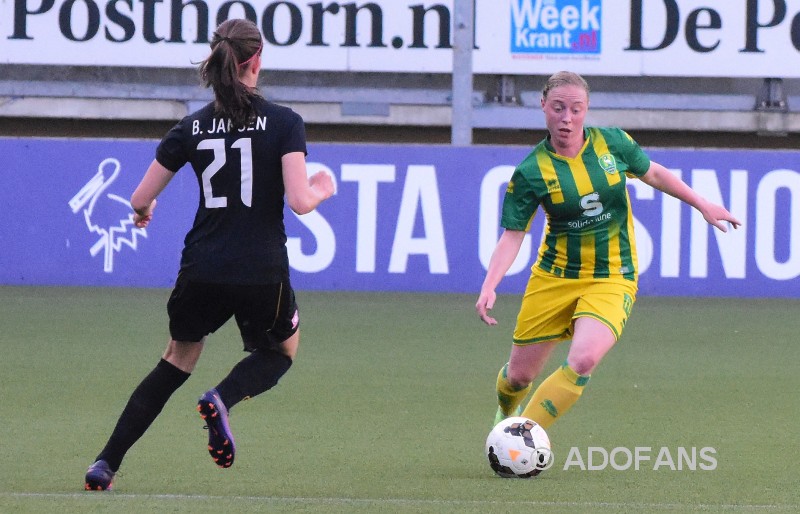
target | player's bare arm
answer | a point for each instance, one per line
(661, 178)
(502, 258)
(143, 199)
(304, 194)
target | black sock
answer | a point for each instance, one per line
(143, 407)
(256, 373)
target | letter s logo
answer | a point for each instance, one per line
(591, 205)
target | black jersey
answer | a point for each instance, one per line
(238, 235)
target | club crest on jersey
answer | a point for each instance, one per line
(608, 163)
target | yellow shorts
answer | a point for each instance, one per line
(551, 305)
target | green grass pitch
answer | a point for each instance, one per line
(388, 405)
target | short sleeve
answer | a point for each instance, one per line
(295, 140)
(520, 202)
(171, 152)
(638, 161)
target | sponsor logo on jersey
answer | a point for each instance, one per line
(553, 186)
(556, 26)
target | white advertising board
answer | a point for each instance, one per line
(726, 38)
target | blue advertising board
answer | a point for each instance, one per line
(404, 218)
(569, 27)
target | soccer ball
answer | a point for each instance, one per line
(518, 447)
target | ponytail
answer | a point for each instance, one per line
(233, 47)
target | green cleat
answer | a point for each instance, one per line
(500, 415)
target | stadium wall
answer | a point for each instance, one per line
(677, 72)
(405, 218)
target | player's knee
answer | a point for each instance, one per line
(519, 379)
(583, 364)
(289, 347)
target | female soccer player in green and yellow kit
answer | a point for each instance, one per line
(584, 282)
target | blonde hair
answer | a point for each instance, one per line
(564, 78)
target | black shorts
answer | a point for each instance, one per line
(266, 314)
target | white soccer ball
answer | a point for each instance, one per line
(518, 447)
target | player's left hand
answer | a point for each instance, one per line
(717, 215)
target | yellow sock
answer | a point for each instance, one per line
(507, 397)
(553, 398)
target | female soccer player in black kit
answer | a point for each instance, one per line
(247, 154)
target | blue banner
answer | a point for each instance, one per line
(567, 27)
(404, 218)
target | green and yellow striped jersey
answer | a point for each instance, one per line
(589, 229)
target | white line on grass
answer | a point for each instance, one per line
(404, 501)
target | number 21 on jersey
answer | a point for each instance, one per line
(244, 146)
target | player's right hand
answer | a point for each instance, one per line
(142, 220)
(484, 305)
